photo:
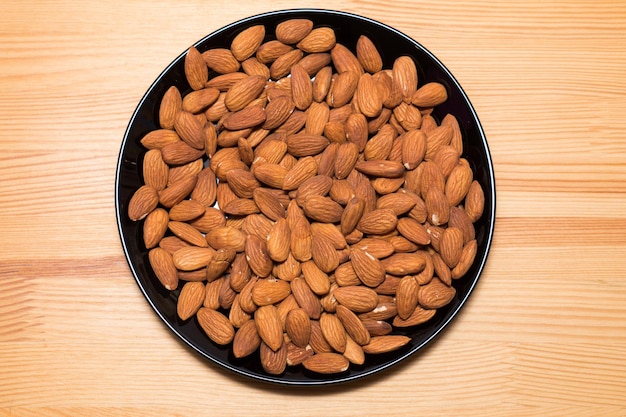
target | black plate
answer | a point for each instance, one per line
(348, 28)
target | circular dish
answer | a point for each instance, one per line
(348, 27)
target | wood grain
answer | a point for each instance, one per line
(544, 333)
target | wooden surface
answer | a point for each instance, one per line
(544, 334)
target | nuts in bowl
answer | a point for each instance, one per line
(306, 197)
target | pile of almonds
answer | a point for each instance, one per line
(303, 200)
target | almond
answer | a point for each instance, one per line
(179, 153)
(163, 267)
(320, 39)
(270, 291)
(437, 206)
(154, 227)
(321, 84)
(278, 111)
(199, 100)
(298, 327)
(306, 298)
(407, 296)
(475, 201)
(293, 31)
(247, 117)
(417, 317)
(190, 299)
(246, 340)
(379, 146)
(354, 352)
(353, 325)
(345, 60)
(404, 72)
(303, 170)
(401, 264)
(268, 203)
(246, 42)
(142, 202)
(466, 260)
(413, 231)
(188, 233)
(301, 87)
(186, 210)
(368, 55)
(243, 92)
(430, 95)
(387, 169)
(296, 355)
(413, 148)
(357, 298)
(215, 325)
(273, 362)
(257, 256)
(458, 184)
(155, 170)
(326, 363)
(171, 104)
(322, 209)
(192, 257)
(435, 294)
(451, 246)
(221, 60)
(333, 331)
(323, 253)
(196, 70)
(157, 139)
(367, 98)
(304, 144)
(378, 222)
(316, 278)
(383, 344)
(269, 326)
(378, 248)
(219, 263)
(283, 63)
(226, 237)
(342, 89)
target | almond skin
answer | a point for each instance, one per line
(326, 363)
(215, 325)
(269, 326)
(190, 299)
(163, 267)
(383, 344)
(143, 201)
(293, 31)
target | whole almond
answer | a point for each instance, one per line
(215, 325)
(273, 362)
(257, 256)
(458, 184)
(301, 87)
(354, 352)
(451, 245)
(430, 95)
(437, 206)
(333, 331)
(157, 139)
(388, 343)
(154, 227)
(270, 291)
(320, 39)
(187, 233)
(345, 60)
(221, 60)
(417, 317)
(435, 294)
(226, 237)
(283, 63)
(179, 153)
(293, 30)
(401, 264)
(269, 326)
(186, 210)
(404, 72)
(468, 254)
(475, 201)
(342, 88)
(353, 325)
(192, 257)
(387, 169)
(303, 170)
(296, 355)
(298, 327)
(196, 70)
(357, 298)
(322, 209)
(190, 299)
(199, 100)
(163, 267)
(306, 298)
(246, 42)
(369, 101)
(378, 222)
(326, 363)
(269, 203)
(142, 202)
(304, 144)
(278, 111)
(368, 55)
(246, 340)
(247, 117)
(413, 148)
(378, 248)
(379, 146)
(413, 231)
(243, 92)
(219, 263)
(171, 104)
(407, 296)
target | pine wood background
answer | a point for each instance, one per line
(544, 334)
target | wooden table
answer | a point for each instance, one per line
(544, 334)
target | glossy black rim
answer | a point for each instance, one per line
(348, 27)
